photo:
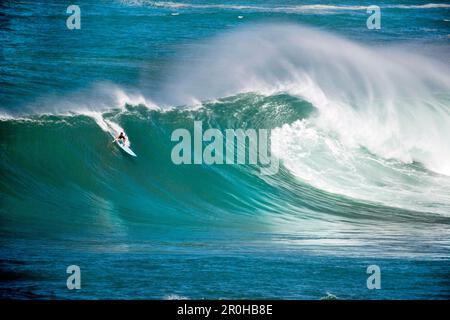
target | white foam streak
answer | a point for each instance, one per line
(316, 8)
(421, 6)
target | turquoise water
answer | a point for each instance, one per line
(359, 121)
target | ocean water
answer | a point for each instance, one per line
(359, 120)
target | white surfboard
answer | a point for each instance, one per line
(126, 148)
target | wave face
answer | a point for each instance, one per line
(68, 160)
(361, 132)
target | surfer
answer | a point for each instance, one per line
(120, 137)
(123, 143)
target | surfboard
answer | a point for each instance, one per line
(124, 147)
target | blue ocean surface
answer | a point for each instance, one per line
(359, 121)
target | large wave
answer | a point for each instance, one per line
(361, 133)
